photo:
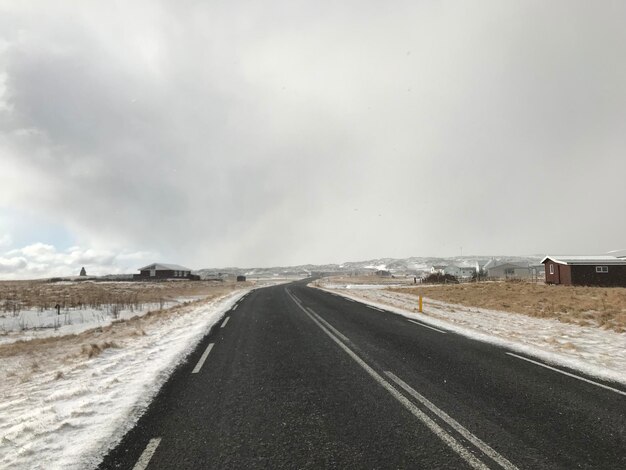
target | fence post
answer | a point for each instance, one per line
(420, 304)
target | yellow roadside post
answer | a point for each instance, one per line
(420, 304)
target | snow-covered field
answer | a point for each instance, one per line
(592, 350)
(65, 400)
(41, 323)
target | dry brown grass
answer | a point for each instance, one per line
(135, 326)
(45, 354)
(594, 306)
(95, 349)
(19, 295)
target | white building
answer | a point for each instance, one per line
(462, 272)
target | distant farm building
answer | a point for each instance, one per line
(607, 271)
(383, 273)
(509, 271)
(459, 271)
(462, 272)
(437, 269)
(158, 271)
(241, 278)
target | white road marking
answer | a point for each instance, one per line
(202, 359)
(568, 374)
(349, 300)
(375, 308)
(235, 307)
(224, 322)
(426, 326)
(450, 441)
(328, 325)
(504, 463)
(147, 454)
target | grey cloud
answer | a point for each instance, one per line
(234, 134)
(42, 260)
(8, 265)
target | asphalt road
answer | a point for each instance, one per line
(299, 378)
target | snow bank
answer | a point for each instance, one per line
(594, 351)
(62, 408)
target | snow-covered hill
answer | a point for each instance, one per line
(399, 266)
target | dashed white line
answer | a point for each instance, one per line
(202, 359)
(375, 308)
(349, 300)
(235, 307)
(147, 454)
(426, 326)
(224, 322)
(568, 374)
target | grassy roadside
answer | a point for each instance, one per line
(591, 306)
(24, 359)
(18, 295)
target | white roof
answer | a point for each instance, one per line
(585, 260)
(165, 267)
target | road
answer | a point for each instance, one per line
(295, 377)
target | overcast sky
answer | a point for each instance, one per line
(246, 133)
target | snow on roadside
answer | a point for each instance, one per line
(33, 323)
(594, 351)
(63, 404)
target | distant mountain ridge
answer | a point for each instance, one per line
(408, 266)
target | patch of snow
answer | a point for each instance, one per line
(37, 323)
(591, 350)
(62, 410)
(379, 267)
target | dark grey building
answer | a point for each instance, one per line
(158, 271)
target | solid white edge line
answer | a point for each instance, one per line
(146, 455)
(224, 322)
(328, 325)
(503, 462)
(349, 300)
(450, 441)
(568, 374)
(426, 326)
(375, 308)
(202, 359)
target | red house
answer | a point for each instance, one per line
(607, 271)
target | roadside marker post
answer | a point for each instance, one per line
(420, 304)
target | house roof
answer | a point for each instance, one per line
(589, 260)
(165, 267)
(489, 264)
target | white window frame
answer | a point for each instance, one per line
(602, 269)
